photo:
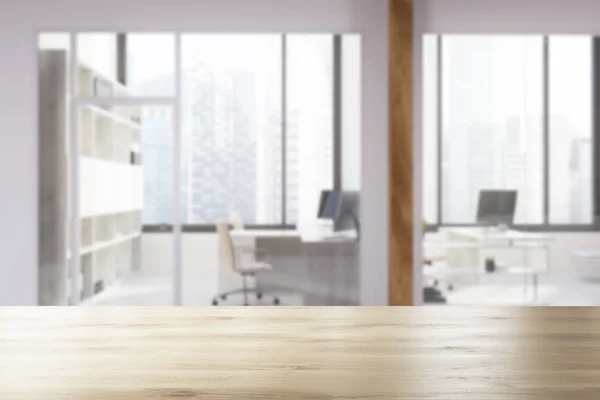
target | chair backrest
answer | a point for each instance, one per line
(226, 249)
(236, 221)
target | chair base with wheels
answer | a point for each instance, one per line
(258, 293)
(247, 264)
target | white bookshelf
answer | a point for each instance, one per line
(110, 186)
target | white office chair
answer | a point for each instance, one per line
(435, 285)
(248, 266)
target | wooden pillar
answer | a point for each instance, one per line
(401, 153)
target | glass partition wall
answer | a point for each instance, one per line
(510, 190)
(149, 139)
(94, 174)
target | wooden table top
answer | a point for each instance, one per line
(299, 353)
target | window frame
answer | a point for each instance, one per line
(337, 137)
(546, 225)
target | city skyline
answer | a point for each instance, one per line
(492, 127)
(232, 135)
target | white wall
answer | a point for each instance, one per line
(489, 16)
(23, 20)
(508, 16)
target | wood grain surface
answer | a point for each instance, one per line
(401, 153)
(299, 353)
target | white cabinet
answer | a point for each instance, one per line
(110, 183)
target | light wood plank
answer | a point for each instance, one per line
(401, 153)
(299, 353)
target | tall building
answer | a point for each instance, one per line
(223, 156)
(244, 127)
(489, 140)
(271, 169)
(561, 171)
(232, 145)
(466, 147)
(157, 154)
(292, 162)
(522, 166)
(309, 161)
(581, 207)
(157, 123)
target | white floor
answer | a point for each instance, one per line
(553, 290)
(141, 289)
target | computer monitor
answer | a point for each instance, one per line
(348, 212)
(328, 204)
(496, 207)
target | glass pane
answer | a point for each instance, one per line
(231, 127)
(492, 123)
(309, 152)
(120, 264)
(151, 64)
(351, 79)
(157, 147)
(430, 129)
(570, 122)
(114, 65)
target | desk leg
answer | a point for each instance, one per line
(525, 285)
(535, 288)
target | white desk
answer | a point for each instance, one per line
(305, 236)
(464, 238)
(463, 249)
(320, 265)
(590, 255)
(247, 233)
(491, 235)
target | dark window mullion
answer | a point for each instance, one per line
(284, 129)
(439, 129)
(122, 58)
(596, 130)
(546, 128)
(337, 112)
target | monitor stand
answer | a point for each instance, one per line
(355, 223)
(502, 227)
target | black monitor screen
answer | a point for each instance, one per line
(348, 212)
(324, 196)
(329, 203)
(496, 207)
